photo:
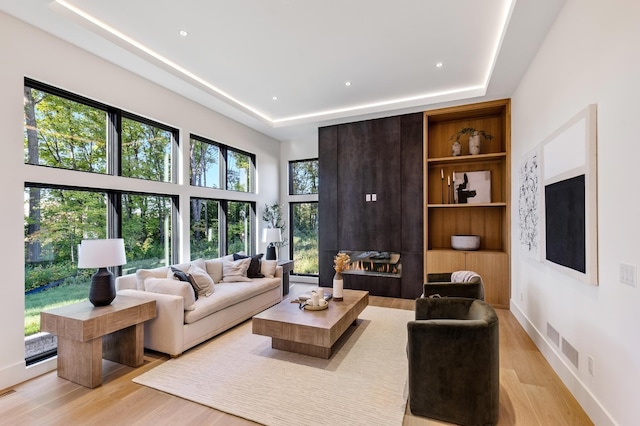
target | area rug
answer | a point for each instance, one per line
(363, 383)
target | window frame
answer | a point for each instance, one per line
(290, 175)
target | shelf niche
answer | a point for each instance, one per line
(489, 220)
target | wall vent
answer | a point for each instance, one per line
(553, 334)
(570, 352)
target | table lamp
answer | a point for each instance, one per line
(102, 254)
(271, 235)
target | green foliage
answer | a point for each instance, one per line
(40, 275)
(146, 151)
(204, 228)
(304, 177)
(72, 290)
(305, 238)
(204, 164)
(238, 227)
(238, 171)
(64, 134)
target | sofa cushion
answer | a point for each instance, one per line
(228, 294)
(254, 266)
(174, 287)
(142, 274)
(201, 281)
(175, 273)
(235, 271)
(214, 269)
(268, 268)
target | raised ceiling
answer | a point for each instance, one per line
(284, 67)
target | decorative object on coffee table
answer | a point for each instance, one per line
(101, 254)
(340, 263)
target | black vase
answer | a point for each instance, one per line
(103, 289)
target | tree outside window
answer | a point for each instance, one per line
(303, 177)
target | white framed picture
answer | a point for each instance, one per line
(472, 187)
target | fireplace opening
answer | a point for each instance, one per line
(374, 263)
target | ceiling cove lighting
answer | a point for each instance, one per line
(500, 34)
(159, 57)
(378, 104)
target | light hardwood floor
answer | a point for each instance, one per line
(530, 392)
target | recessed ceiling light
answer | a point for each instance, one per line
(439, 64)
(183, 33)
(275, 98)
(347, 83)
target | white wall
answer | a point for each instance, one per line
(590, 55)
(26, 51)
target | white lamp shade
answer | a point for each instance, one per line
(101, 253)
(271, 235)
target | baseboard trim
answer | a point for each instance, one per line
(594, 409)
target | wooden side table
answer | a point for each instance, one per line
(287, 267)
(86, 334)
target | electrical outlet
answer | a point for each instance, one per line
(590, 363)
(628, 274)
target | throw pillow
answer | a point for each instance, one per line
(268, 268)
(235, 271)
(214, 269)
(200, 280)
(142, 274)
(173, 287)
(254, 266)
(174, 272)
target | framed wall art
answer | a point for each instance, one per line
(570, 197)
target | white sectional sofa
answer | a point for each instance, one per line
(183, 322)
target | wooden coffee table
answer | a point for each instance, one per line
(310, 332)
(88, 333)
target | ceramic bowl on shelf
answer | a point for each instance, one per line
(465, 242)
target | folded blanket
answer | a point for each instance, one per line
(464, 276)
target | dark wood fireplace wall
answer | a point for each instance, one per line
(371, 198)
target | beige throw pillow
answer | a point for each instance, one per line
(268, 268)
(143, 274)
(214, 269)
(201, 281)
(173, 287)
(235, 271)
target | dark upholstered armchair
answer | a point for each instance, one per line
(453, 361)
(442, 284)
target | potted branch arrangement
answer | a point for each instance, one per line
(474, 140)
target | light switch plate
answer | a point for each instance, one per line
(628, 274)
(374, 197)
(367, 197)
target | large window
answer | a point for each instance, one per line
(239, 171)
(205, 163)
(146, 150)
(304, 241)
(205, 228)
(240, 215)
(64, 130)
(303, 177)
(56, 221)
(303, 181)
(213, 164)
(63, 133)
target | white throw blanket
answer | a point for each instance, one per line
(464, 276)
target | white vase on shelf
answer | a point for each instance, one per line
(474, 144)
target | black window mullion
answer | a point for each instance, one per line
(222, 226)
(114, 143)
